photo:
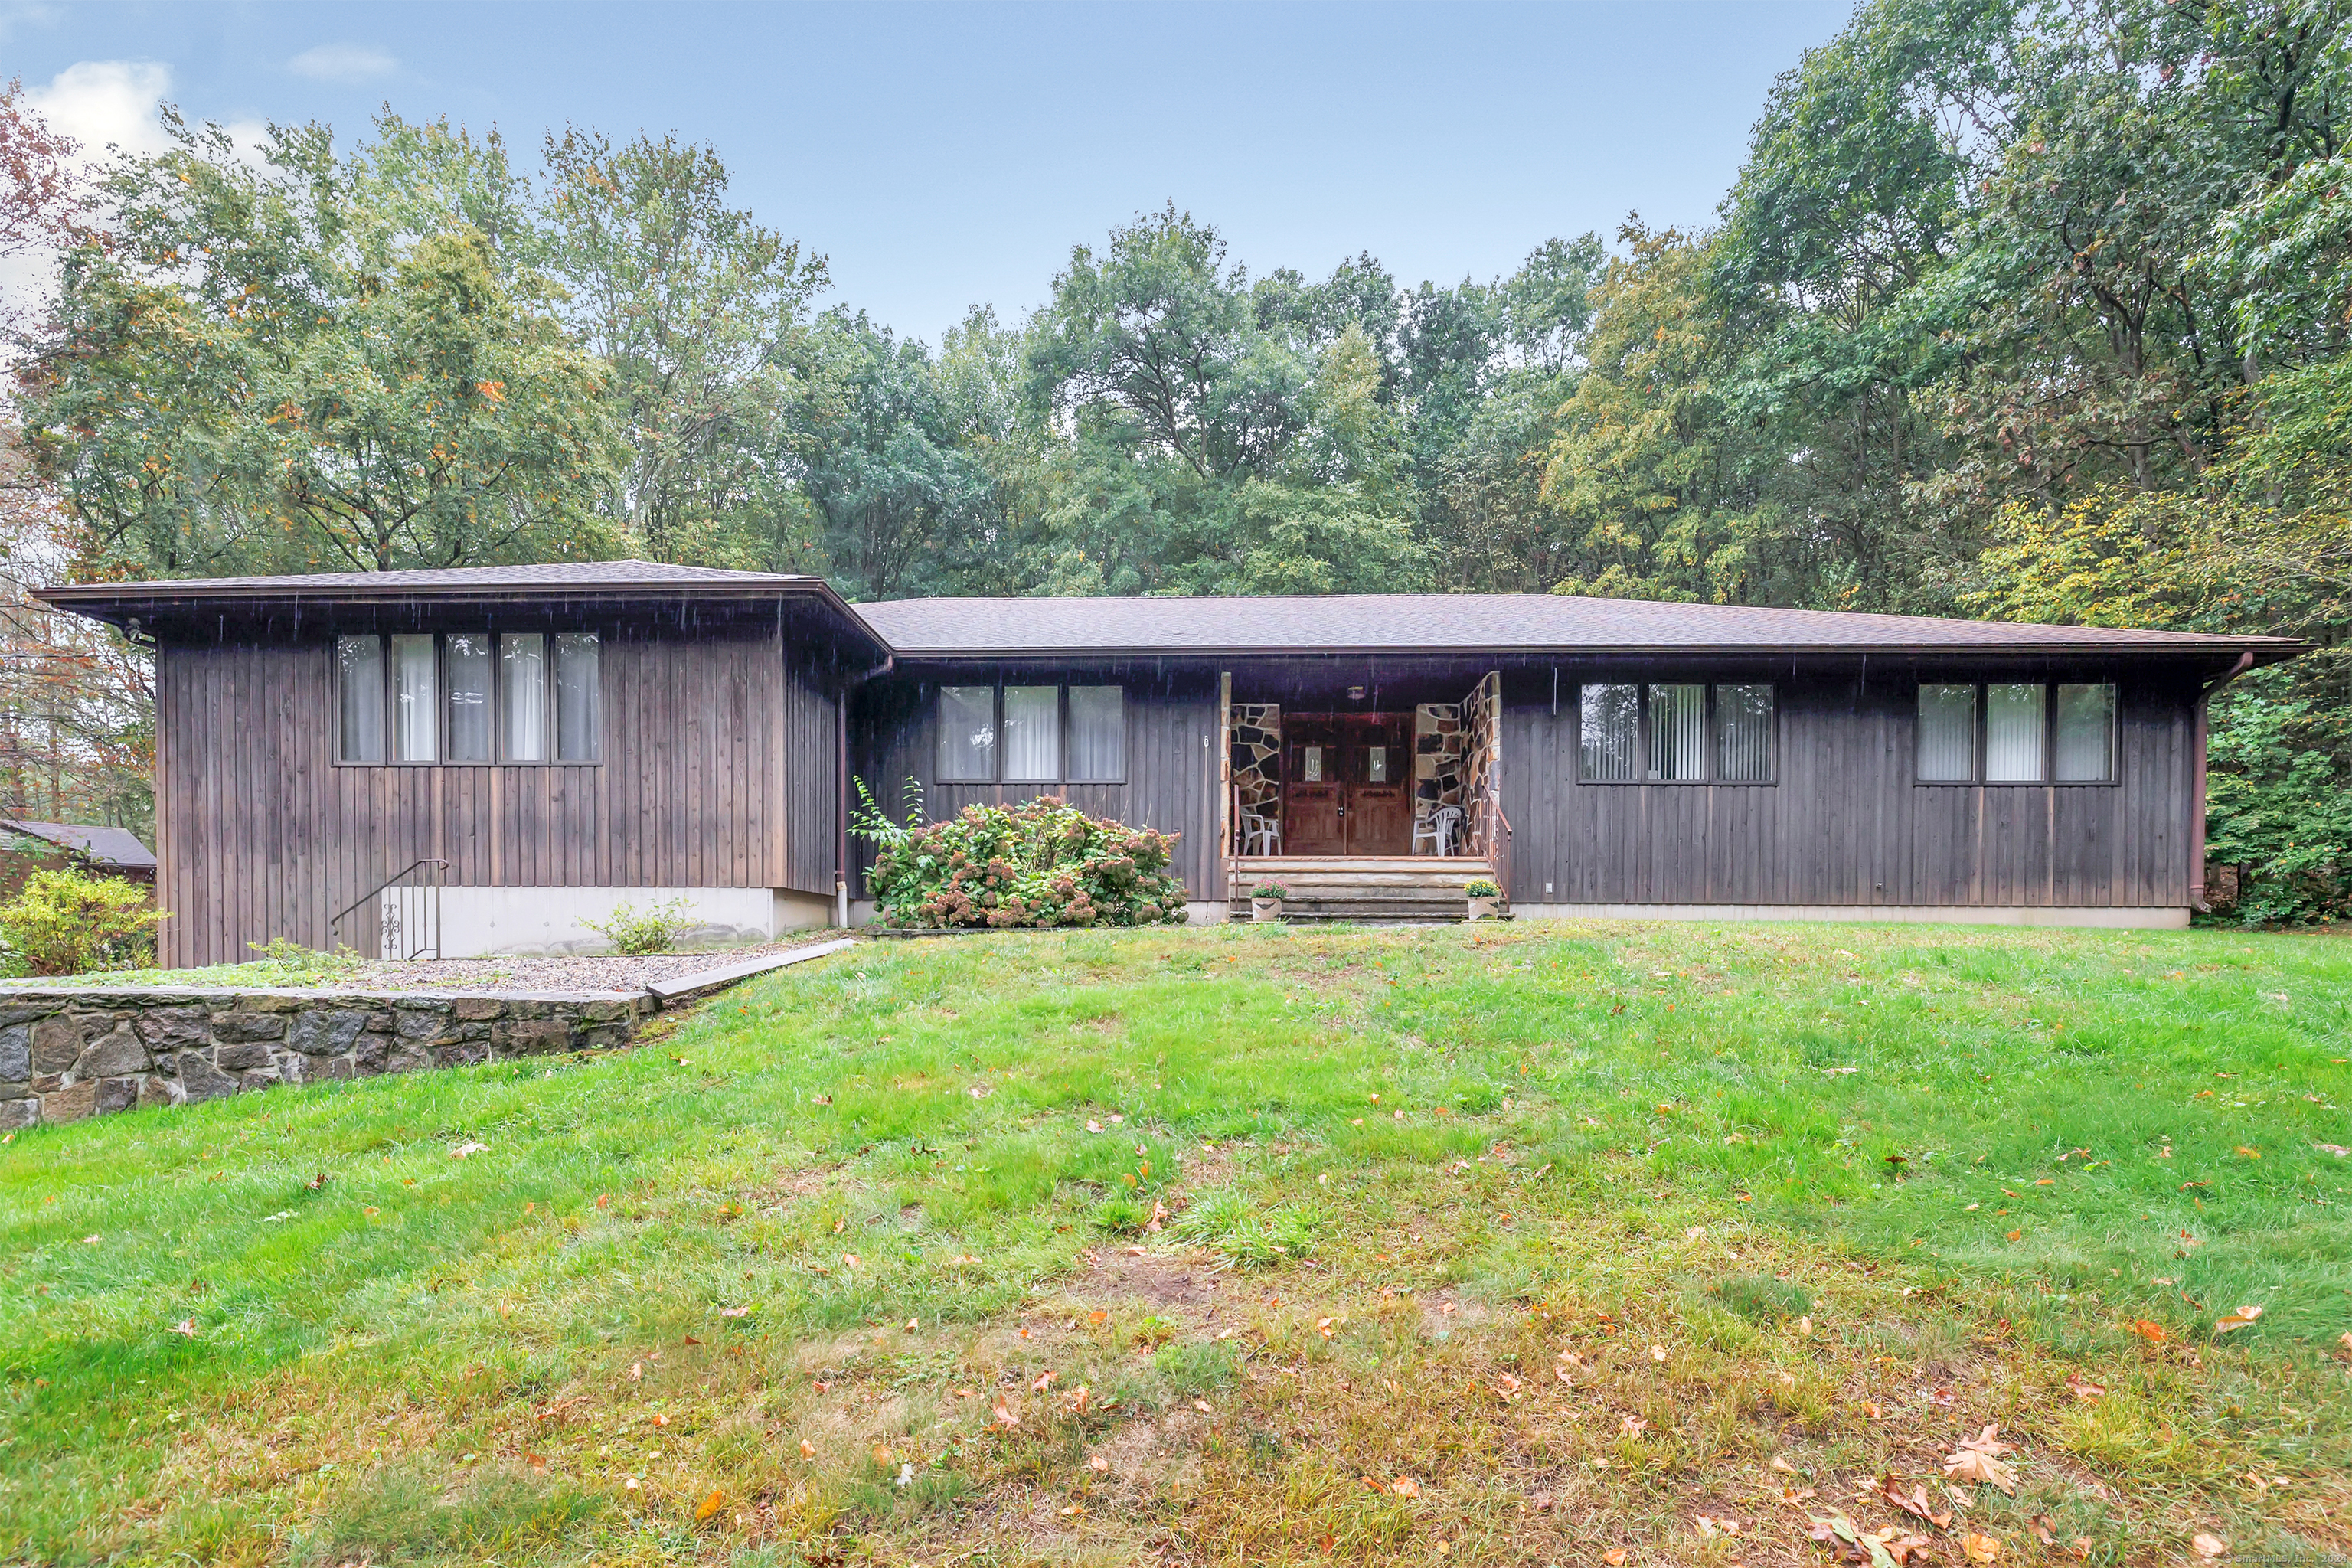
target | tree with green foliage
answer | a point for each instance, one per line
(313, 360)
(699, 316)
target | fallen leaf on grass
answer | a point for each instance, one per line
(2237, 1319)
(1979, 1462)
(1980, 1548)
(1632, 1425)
(1098, 1465)
(708, 1507)
(186, 1326)
(2041, 1529)
(808, 1449)
(2208, 1546)
(1616, 1557)
(2081, 1388)
(1405, 1486)
(2152, 1332)
(462, 1150)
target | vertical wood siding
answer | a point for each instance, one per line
(707, 782)
(1171, 763)
(1846, 824)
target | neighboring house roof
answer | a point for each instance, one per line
(1483, 624)
(107, 846)
(176, 599)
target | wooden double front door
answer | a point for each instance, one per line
(1346, 783)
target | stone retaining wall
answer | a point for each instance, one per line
(69, 1052)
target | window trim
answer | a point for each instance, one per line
(1641, 739)
(1062, 779)
(2049, 779)
(441, 759)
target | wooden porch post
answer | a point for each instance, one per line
(1224, 774)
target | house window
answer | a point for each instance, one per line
(2017, 732)
(1675, 732)
(466, 666)
(1947, 734)
(2013, 733)
(579, 698)
(1031, 734)
(359, 706)
(1097, 734)
(2085, 742)
(1610, 738)
(968, 734)
(465, 696)
(416, 708)
(522, 697)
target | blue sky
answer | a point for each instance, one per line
(942, 156)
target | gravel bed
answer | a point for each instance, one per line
(554, 972)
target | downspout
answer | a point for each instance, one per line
(841, 785)
(2197, 805)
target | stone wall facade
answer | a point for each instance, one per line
(67, 1052)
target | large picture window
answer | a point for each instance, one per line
(1031, 734)
(2017, 732)
(1675, 732)
(466, 696)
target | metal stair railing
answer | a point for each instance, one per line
(408, 923)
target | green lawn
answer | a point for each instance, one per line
(1481, 1245)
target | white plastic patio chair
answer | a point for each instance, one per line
(1438, 829)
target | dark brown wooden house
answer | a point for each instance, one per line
(485, 760)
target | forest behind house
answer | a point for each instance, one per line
(2029, 309)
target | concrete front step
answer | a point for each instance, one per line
(1312, 912)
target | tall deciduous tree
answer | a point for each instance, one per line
(699, 314)
(313, 361)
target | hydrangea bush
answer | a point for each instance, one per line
(1041, 863)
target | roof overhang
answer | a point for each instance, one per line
(159, 606)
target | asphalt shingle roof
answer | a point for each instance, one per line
(107, 846)
(1472, 622)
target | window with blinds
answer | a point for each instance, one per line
(1675, 732)
(2017, 732)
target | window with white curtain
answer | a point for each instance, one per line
(1032, 734)
(359, 699)
(1678, 734)
(469, 696)
(968, 734)
(2013, 732)
(1610, 740)
(1097, 734)
(579, 698)
(1947, 734)
(1743, 734)
(466, 664)
(522, 697)
(2086, 734)
(415, 711)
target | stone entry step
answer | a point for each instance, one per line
(1389, 890)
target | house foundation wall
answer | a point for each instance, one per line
(476, 922)
(2059, 916)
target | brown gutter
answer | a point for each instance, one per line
(2197, 805)
(2280, 648)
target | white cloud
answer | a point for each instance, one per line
(102, 101)
(342, 62)
(19, 15)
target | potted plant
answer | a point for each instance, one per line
(1483, 895)
(1265, 902)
